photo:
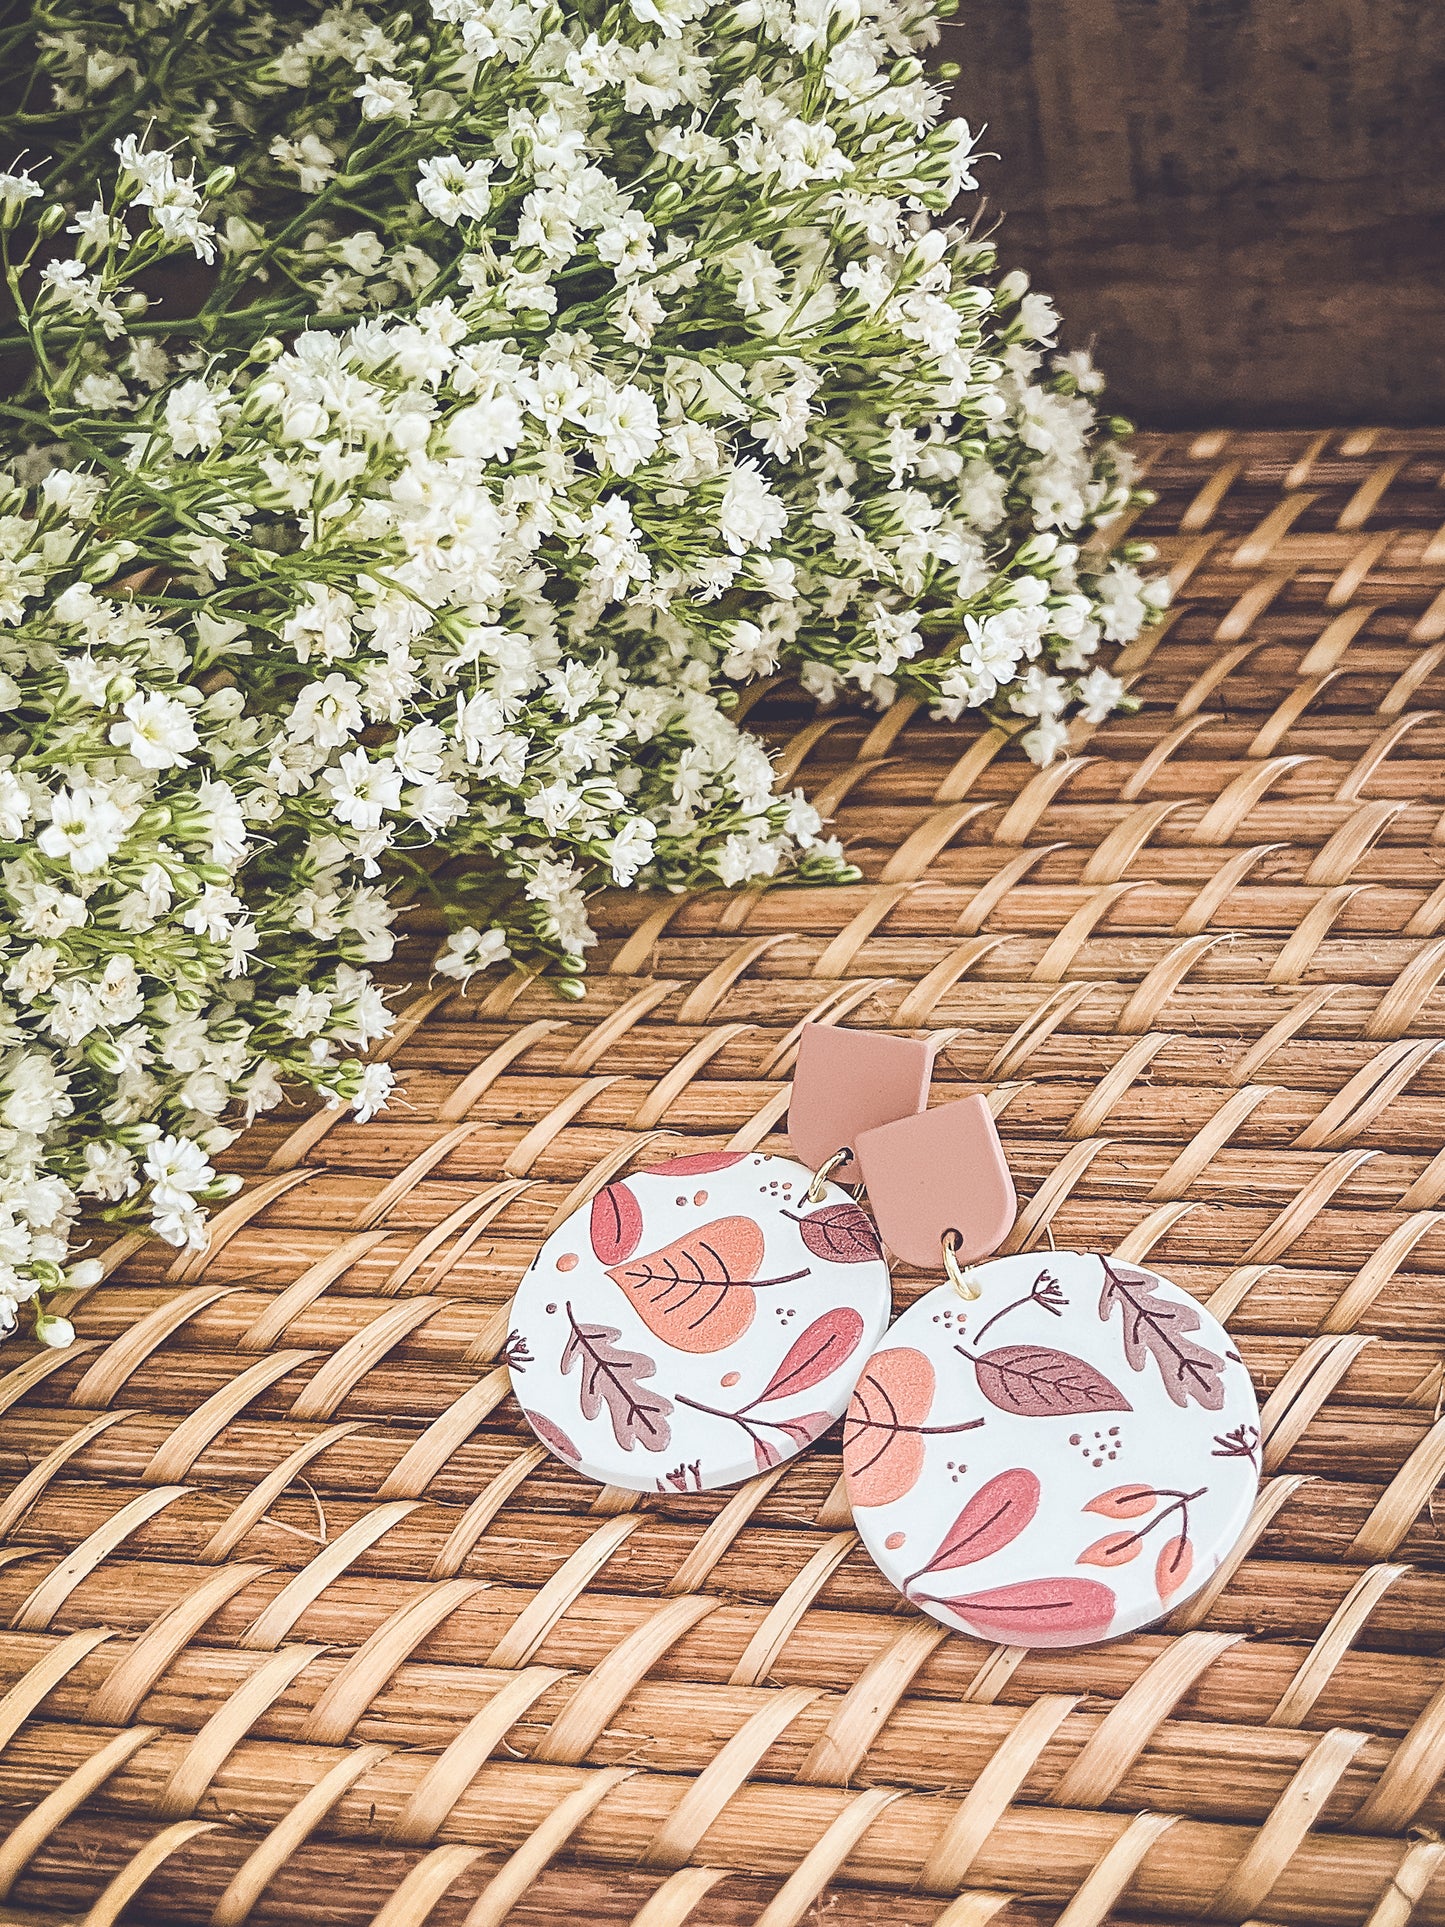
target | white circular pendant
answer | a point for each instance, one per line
(699, 1322)
(1062, 1460)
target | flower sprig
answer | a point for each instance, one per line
(430, 418)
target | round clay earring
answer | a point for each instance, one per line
(704, 1319)
(1049, 1449)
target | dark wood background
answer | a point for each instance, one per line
(1239, 203)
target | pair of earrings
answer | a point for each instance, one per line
(1048, 1449)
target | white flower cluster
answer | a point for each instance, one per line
(556, 375)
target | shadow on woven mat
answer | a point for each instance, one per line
(305, 1627)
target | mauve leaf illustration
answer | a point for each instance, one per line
(802, 1431)
(813, 1356)
(552, 1435)
(1035, 1381)
(1159, 1328)
(694, 1165)
(1114, 1549)
(1173, 1567)
(883, 1445)
(1124, 1502)
(993, 1518)
(1037, 1611)
(696, 1293)
(612, 1376)
(805, 1428)
(839, 1232)
(616, 1225)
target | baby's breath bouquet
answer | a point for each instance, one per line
(426, 420)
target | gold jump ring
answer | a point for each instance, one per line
(821, 1177)
(964, 1280)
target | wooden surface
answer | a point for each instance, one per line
(1241, 201)
(304, 1626)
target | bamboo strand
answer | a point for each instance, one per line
(346, 1884)
(926, 1743)
(765, 1827)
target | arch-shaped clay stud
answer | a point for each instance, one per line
(849, 1081)
(941, 1171)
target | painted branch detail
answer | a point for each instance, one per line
(697, 1293)
(1241, 1442)
(815, 1355)
(1046, 1292)
(1175, 1560)
(884, 1432)
(516, 1353)
(1159, 1328)
(612, 1376)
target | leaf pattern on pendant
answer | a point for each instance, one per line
(697, 1293)
(802, 1431)
(611, 1377)
(841, 1233)
(1173, 1567)
(615, 1224)
(1035, 1610)
(1124, 1502)
(695, 1164)
(1159, 1327)
(815, 1355)
(993, 1518)
(552, 1436)
(1036, 1381)
(885, 1435)
(1114, 1549)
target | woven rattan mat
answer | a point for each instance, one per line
(304, 1626)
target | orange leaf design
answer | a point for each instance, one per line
(1173, 1567)
(1114, 1549)
(697, 1293)
(1124, 1502)
(883, 1445)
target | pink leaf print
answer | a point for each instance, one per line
(1114, 1549)
(802, 1431)
(616, 1224)
(552, 1436)
(1124, 1502)
(695, 1164)
(1039, 1612)
(882, 1443)
(611, 1376)
(813, 1356)
(992, 1519)
(1035, 1381)
(839, 1232)
(1159, 1327)
(1173, 1567)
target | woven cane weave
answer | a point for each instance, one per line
(305, 1626)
